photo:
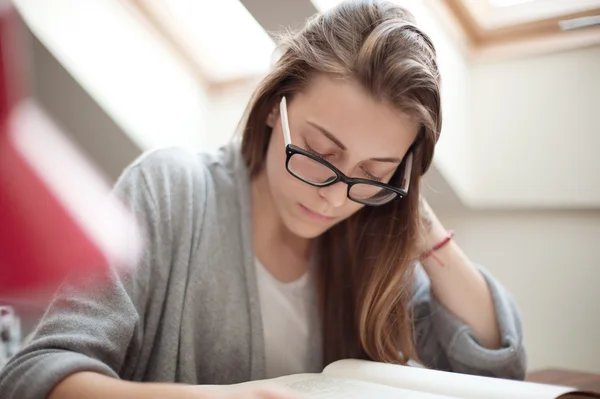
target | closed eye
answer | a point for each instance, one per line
(371, 176)
(312, 151)
(368, 175)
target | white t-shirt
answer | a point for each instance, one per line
(292, 331)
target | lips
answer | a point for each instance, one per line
(315, 215)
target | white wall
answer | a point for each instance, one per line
(551, 263)
(535, 131)
(517, 133)
(225, 110)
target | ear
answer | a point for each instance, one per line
(272, 117)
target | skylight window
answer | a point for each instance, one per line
(222, 37)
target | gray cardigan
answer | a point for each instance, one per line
(190, 311)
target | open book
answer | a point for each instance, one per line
(350, 379)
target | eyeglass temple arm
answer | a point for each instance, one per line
(284, 122)
(407, 170)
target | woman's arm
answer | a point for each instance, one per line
(465, 320)
(457, 283)
(94, 323)
(89, 385)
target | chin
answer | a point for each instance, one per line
(311, 233)
(303, 227)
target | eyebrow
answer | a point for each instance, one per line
(327, 134)
(337, 142)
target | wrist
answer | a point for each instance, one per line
(439, 244)
(431, 236)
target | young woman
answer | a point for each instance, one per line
(305, 244)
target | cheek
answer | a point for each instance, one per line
(351, 208)
(275, 162)
(281, 183)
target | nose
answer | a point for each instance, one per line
(336, 194)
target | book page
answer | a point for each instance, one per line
(443, 383)
(324, 387)
(319, 386)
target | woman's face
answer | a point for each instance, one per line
(339, 121)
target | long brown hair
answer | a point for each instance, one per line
(366, 262)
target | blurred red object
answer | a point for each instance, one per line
(56, 212)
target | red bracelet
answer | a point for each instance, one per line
(438, 246)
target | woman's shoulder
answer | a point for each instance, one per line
(168, 165)
(177, 180)
(177, 169)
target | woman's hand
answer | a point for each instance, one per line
(90, 385)
(245, 392)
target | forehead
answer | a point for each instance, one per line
(363, 124)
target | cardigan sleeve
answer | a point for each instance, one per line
(444, 342)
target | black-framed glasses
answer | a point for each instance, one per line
(314, 170)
